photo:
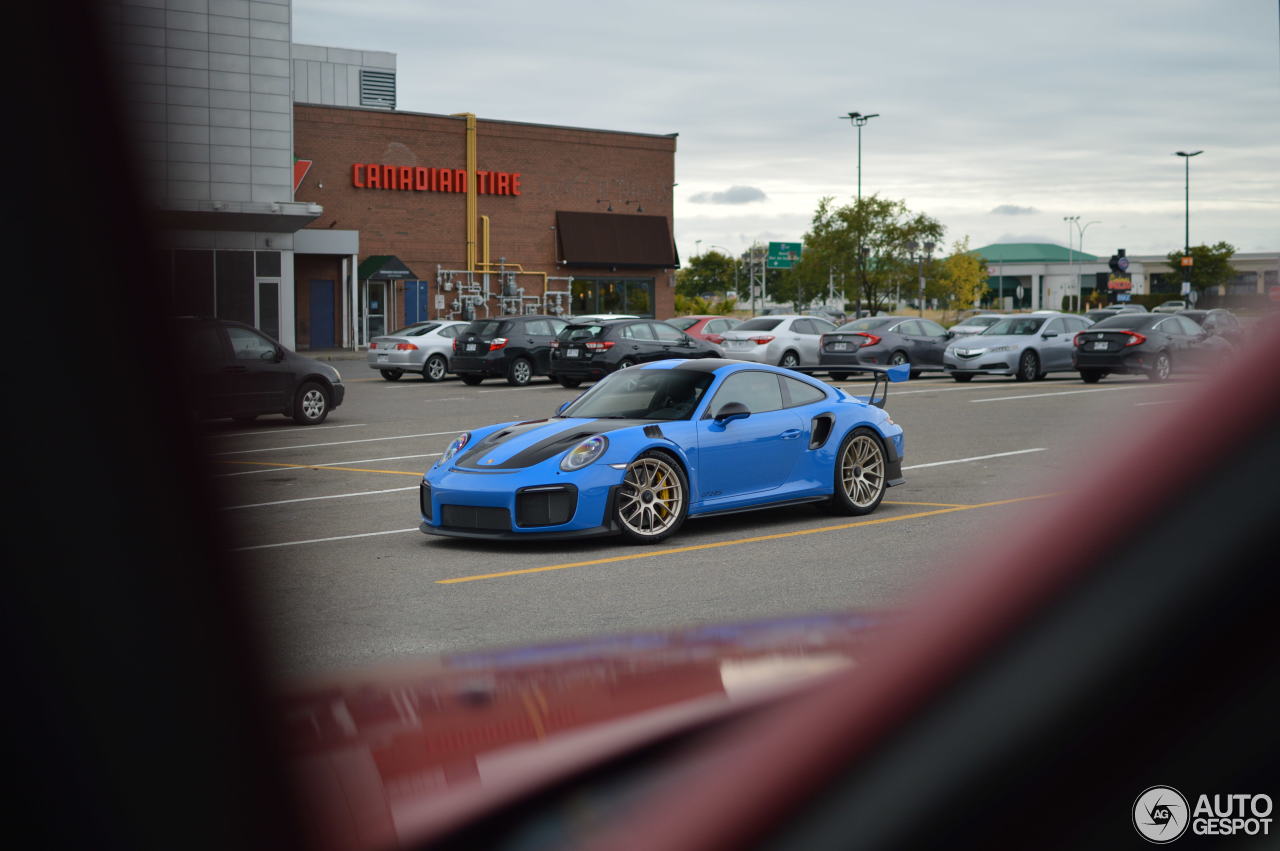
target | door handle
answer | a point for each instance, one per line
(790, 434)
(634, 347)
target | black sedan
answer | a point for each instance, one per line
(589, 351)
(1151, 344)
(883, 341)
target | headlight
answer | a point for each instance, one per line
(456, 446)
(1004, 349)
(584, 453)
(337, 376)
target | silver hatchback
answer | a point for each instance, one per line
(423, 347)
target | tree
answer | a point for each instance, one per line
(960, 279)
(711, 272)
(1212, 265)
(868, 240)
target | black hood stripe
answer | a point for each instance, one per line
(543, 449)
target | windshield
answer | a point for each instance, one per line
(979, 322)
(868, 324)
(486, 328)
(1018, 326)
(684, 323)
(759, 325)
(643, 394)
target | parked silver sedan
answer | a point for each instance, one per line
(788, 341)
(1028, 347)
(423, 347)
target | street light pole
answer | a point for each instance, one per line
(1186, 250)
(1071, 268)
(858, 120)
(914, 247)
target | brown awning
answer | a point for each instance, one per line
(615, 240)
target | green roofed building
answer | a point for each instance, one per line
(1038, 275)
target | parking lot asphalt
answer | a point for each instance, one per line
(326, 519)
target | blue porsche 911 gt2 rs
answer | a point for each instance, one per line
(648, 446)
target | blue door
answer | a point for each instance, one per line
(415, 302)
(321, 314)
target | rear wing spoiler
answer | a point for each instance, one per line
(884, 376)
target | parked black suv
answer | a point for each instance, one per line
(592, 350)
(513, 347)
(237, 371)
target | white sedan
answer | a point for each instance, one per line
(788, 341)
(423, 347)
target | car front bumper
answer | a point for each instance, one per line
(987, 363)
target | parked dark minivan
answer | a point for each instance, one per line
(237, 371)
(512, 347)
(589, 351)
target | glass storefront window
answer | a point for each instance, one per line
(612, 295)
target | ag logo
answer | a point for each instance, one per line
(1160, 814)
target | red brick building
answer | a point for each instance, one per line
(562, 220)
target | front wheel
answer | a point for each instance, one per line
(1028, 367)
(626, 363)
(790, 360)
(435, 368)
(520, 372)
(860, 473)
(962, 377)
(1162, 368)
(392, 374)
(471, 379)
(311, 405)
(1091, 376)
(652, 502)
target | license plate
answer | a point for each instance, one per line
(740, 344)
(838, 347)
(471, 347)
(1101, 345)
(383, 358)
(571, 353)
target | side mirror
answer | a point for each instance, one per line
(732, 411)
(272, 355)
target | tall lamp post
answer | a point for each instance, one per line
(1186, 251)
(914, 247)
(1070, 220)
(858, 120)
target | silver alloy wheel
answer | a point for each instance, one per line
(651, 498)
(898, 359)
(521, 371)
(1163, 367)
(436, 368)
(790, 360)
(862, 470)
(313, 403)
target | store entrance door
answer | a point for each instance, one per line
(320, 314)
(375, 310)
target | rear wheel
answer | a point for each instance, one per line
(652, 502)
(1162, 368)
(435, 368)
(392, 374)
(626, 363)
(566, 381)
(839, 376)
(311, 405)
(1028, 366)
(471, 378)
(897, 359)
(962, 377)
(520, 372)
(790, 360)
(860, 473)
(1091, 376)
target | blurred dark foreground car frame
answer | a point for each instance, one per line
(1027, 703)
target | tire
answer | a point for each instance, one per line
(519, 372)
(1091, 376)
(471, 379)
(1028, 366)
(1162, 368)
(566, 381)
(392, 374)
(962, 378)
(1042, 376)
(838, 376)
(653, 501)
(626, 363)
(790, 360)
(435, 368)
(860, 477)
(898, 358)
(311, 405)
(914, 374)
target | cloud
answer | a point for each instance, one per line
(1013, 210)
(732, 195)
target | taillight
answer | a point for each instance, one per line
(715, 338)
(455, 345)
(871, 340)
(497, 343)
(1136, 339)
(599, 345)
(1077, 340)
(406, 347)
(761, 340)
(555, 344)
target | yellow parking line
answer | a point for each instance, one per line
(322, 467)
(752, 540)
(938, 504)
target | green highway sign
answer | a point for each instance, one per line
(782, 255)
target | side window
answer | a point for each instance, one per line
(449, 331)
(204, 346)
(558, 325)
(801, 393)
(759, 391)
(665, 333)
(1054, 326)
(1189, 327)
(822, 326)
(931, 328)
(911, 328)
(802, 326)
(538, 328)
(1076, 325)
(639, 331)
(249, 345)
(715, 326)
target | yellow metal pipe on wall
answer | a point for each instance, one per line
(471, 189)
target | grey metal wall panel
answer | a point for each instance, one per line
(230, 155)
(223, 99)
(228, 25)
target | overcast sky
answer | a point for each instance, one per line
(997, 118)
